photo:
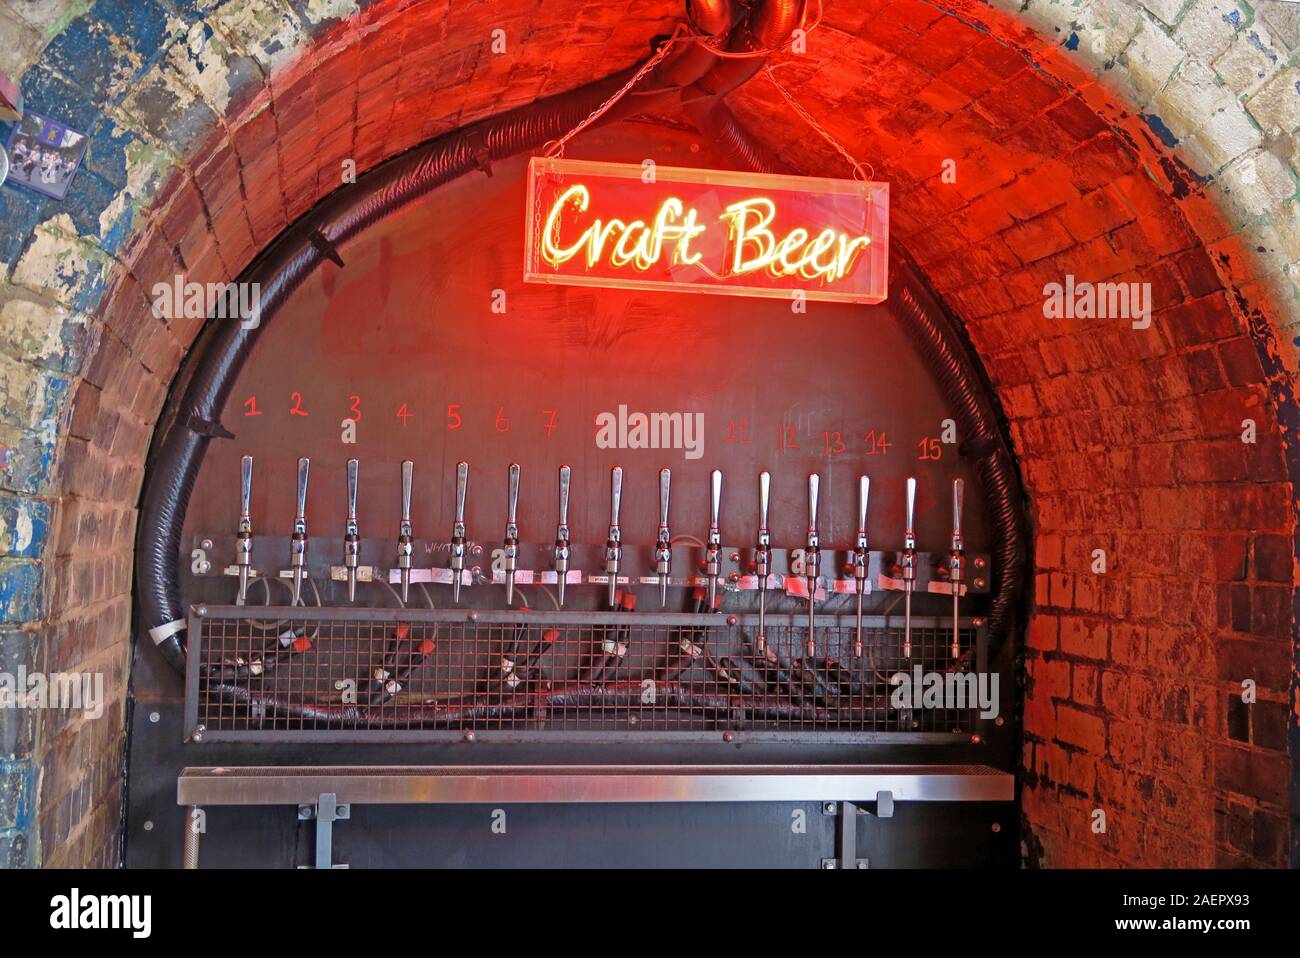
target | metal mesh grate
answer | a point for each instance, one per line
(366, 674)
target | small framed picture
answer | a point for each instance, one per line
(44, 155)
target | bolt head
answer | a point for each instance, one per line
(470, 736)
(728, 736)
(731, 620)
(154, 718)
(472, 616)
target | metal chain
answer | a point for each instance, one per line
(821, 130)
(555, 148)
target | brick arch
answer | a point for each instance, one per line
(1072, 155)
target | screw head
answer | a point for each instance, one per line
(731, 620)
(154, 718)
(200, 610)
(999, 721)
(980, 563)
(976, 739)
(469, 735)
(728, 736)
(197, 734)
(828, 864)
(472, 616)
(148, 826)
(997, 826)
(979, 583)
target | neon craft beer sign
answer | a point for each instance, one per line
(706, 231)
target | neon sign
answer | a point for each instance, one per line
(741, 234)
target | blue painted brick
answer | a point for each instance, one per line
(22, 591)
(21, 210)
(32, 516)
(49, 95)
(17, 780)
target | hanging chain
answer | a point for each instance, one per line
(555, 148)
(824, 133)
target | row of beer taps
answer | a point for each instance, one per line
(613, 553)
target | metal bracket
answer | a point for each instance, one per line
(326, 812)
(846, 843)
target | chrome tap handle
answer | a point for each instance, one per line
(351, 537)
(958, 492)
(456, 561)
(909, 537)
(956, 563)
(562, 535)
(615, 495)
(713, 545)
(405, 545)
(512, 497)
(244, 538)
(812, 560)
(408, 481)
(663, 542)
(245, 492)
(300, 519)
(510, 551)
(864, 490)
(812, 553)
(614, 544)
(566, 475)
(764, 490)
(353, 466)
(462, 486)
(298, 542)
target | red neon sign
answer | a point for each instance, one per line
(706, 231)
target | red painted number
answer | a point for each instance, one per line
(250, 407)
(738, 432)
(785, 438)
(877, 443)
(501, 422)
(832, 443)
(297, 409)
(550, 415)
(454, 419)
(930, 449)
(355, 408)
(404, 414)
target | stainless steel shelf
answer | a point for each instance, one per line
(481, 784)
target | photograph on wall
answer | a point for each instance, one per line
(44, 155)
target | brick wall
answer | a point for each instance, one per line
(1104, 139)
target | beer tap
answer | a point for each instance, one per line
(351, 537)
(510, 545)
(614, 544)
(956, 561)
(812, 559)
(860, 559)
(713, 545)
(909, 567)
(763, 559)
(244, 538)
(663, 544)
(405, 541)
(562, 534)
(298, 542)
(457, 549)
